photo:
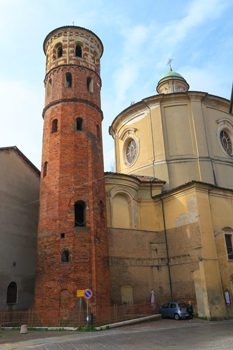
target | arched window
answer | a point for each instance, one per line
(79, 123)
(45, 168)
(65, 256)
(90, 84)
(98, 130)
(68, 80)
(80, 214)
(12, 293)
(59, 51)
(78, 51)
(54, 125)
(49, 87)
(95, 57)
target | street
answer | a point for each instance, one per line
(164, 334)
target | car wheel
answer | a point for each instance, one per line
(177, 317)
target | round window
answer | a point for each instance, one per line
(131, 151)
(226, 142)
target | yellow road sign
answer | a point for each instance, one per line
(80, 293)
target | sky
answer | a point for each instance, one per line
(138, 37)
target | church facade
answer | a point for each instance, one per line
(162, 221)
(173, 237)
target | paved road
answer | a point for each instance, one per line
(205, 335)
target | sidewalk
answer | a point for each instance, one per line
(13, 339)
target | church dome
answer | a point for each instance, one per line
(172, 82)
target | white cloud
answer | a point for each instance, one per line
(198, 13)
(131, 60)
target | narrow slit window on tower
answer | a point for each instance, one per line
(49, 86)
(12, 293)
(90, 84)
(101, 209)
(54, 125)
(59, 51)
(45, 168)
(78, 51)
(65, 256)
(68, 80)
(80, 214)
(98, 130)
(62, 235)
(79, 123)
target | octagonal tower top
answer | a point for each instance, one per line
(70, 45)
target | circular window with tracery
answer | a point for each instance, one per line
(226, 142)
(131, 151)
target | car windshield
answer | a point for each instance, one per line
(182, 305)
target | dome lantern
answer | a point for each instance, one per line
(172, 82)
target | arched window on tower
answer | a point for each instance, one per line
(45, 168)
(54, 125)
(12, 293)
(68, 80)
(90, 84)
(79, 123)
(95, 57)
(49, 89)
(65, 256)
(78, 51)
(80, 214)
(59, 51)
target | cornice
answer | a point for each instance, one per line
(172, 99)
(73, 99)
(73, 65)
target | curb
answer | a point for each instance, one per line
(128, 322)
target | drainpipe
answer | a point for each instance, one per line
(115, 149)
(211, 160)
(152, 139)
(165, 234)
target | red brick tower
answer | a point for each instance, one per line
(72, 235)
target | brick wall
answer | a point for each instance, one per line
(74, 172)
(138, 258)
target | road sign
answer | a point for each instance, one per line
(80, 293)
(87, 293)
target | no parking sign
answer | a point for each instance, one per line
(87, 293)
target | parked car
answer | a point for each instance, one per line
(174, 310)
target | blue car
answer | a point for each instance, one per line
(174, 310)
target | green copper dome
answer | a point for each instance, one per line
(172, 82)
(171, 74)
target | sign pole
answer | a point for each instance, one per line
(87, 313)
(80, 306)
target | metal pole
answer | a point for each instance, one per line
(87, 312)
(80, 306)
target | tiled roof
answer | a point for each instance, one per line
(141, 178)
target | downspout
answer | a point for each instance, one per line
(115, 149)
(212, 187)
(152, 139)
(211, 160)
(165, 234)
